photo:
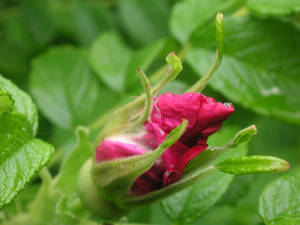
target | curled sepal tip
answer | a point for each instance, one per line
(220, 34)
(201, 84)
(212, 152)
(253, 164)
(174, 68)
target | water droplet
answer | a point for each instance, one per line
(228, 104)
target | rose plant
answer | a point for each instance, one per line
(143, 152)
(169, 146)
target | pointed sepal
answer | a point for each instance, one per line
(241, 137)
(253, 164)
(115, 177)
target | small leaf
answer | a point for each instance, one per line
(21, 155)
(279, 203)
(22, 102)
(253, 164)
(115, 177)
(6, 102)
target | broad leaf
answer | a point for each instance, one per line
(21, 155)
(189, 205)
(109, 58)
(274, 7)
(259, 69)
(115, 63)
(64, 87)
(280, 201)
(189, 15)
(22, 102)
(83, 21)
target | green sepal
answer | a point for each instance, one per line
(201, 84)
(114, 178)
(131, 201)
(220, 34)
(241, 137)
(253, 164)
(123, 117)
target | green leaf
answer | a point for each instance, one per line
(189, 15)
(109, 58)
(66, 180)
(64, 87)
(22, 102)
(279, 203)
(115, 63)
(258, 69)
(6, 102)
(189, 205)
(115, 177)
(144, 22)
(82, 21)
(274, 7)
(253, 164)
(46, 209)
(21, 155)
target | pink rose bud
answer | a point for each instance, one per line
(204, 115)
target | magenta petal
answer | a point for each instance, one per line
(149, 181)
(170, 109)
(110, 149)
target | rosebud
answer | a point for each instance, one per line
(204, 116)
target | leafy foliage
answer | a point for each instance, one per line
(279, 202)
(22, 156)
(78, 60)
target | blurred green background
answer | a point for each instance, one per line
(77, 59)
